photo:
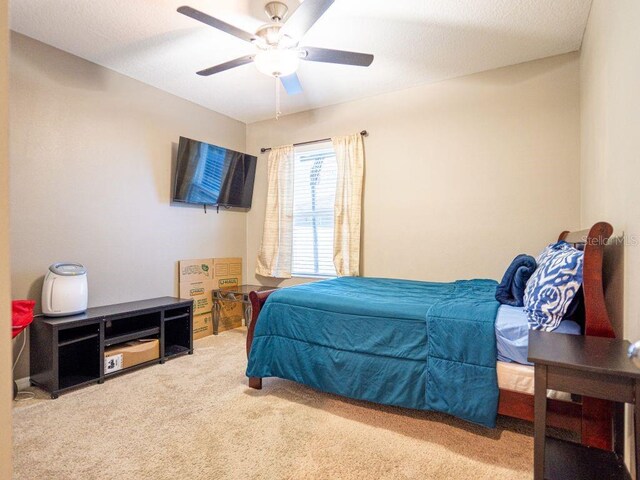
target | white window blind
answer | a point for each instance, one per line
(208, 178)
(314, 192)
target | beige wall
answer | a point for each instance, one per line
(610, 99)
(610, 119)
(91, 161)
(6, 388)
(460, 176)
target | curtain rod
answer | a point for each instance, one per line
(364, 133)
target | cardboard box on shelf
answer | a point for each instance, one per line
(202, 325)
(196, 283)
(228, 274)
(131, 353)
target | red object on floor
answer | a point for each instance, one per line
(21, 315)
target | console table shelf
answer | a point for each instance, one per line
(64, 343)
(571, 461)
(127, 337)
(177, 317)
(68, 352)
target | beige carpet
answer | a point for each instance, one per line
(195, 418)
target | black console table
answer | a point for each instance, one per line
(590, 366)
(68, 352)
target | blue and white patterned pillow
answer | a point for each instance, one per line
(553, 286)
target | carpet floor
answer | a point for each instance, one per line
(195, 418)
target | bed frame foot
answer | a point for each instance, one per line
(255, 382)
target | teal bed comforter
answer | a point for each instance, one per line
(421, 345)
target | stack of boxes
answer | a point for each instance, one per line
(197, 280)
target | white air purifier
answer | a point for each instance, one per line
(65, 290)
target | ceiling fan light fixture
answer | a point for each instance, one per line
(277, 62)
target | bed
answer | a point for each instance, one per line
(421, 345)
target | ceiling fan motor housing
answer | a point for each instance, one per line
(270, 34)
(276, 11)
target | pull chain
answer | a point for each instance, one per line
(278, 112)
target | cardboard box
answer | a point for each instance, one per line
(129, 354)
(198, 278)
(228, 274)
(196, 283)
(202, 325)
(231, 315)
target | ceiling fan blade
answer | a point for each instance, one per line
(215, 23)
(304, 17)
(226, 66)
(291, 84)
(326, 55)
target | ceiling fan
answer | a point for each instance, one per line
(277, 43)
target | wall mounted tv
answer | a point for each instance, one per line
(211, 175)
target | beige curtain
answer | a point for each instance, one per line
(274, 257)
(348, 207)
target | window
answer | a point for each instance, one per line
(314, 192)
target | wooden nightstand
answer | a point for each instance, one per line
(590, 366)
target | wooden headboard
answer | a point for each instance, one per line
(596, 322)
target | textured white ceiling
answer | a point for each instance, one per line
(414, 42)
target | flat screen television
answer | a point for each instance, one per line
(211, 175)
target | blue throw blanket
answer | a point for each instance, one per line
(429, 346)
(511, 289)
